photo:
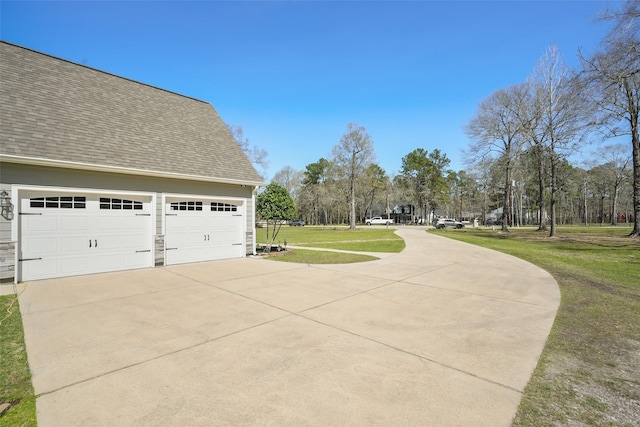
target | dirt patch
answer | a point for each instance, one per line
(598, 239)
(609, 398)
(279, 253)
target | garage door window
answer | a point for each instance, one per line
(59, 202)
(223, 207)
(186, 206)
(107, 203)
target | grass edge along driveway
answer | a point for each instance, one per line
(15, 377)
(589, 371)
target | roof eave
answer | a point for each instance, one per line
(129, 171)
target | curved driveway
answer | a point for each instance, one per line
(441, 334)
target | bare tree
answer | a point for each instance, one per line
(352, 155)
(257, 156)
(612, 76)
(562, 117)
(290, 179)
(480, 169)
(375, 185)
(601, 187)
(615, 170)
(536, 135)
(498, 132)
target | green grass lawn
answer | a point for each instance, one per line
(15, 377)
(306, 256)
(362, 239)
(589, 371)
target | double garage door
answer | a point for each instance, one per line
(64, 233)
(68, 234)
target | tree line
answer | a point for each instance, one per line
(519, 167)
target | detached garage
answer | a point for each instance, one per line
(101, 173)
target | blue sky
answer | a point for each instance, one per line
(293, 74)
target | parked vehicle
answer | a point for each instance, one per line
(448, 223)
(378, 220)
(493, 221)
(297, 223)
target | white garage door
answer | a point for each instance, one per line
(203, 230)
(68, 234)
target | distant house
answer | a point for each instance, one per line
(101, 173)
(404, 214)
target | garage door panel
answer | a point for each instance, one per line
(227, 251)
(134, 259)
(181, 238)
(121, 261)
(73, 223)
(136, 241)
(39, 245)
(40, 269)
(226, 238)
(40, 223)
(221, 253)
(110, 262)
(106, 243)
(196, 237)
(74, 244)
(71, 266)
(109, 222)
(224, 224)
(185, 255)
(135, 222)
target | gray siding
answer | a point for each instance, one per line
(158, 255)
(159, 237)
(14, 173)
(5, 225)
(250, 227)
(7, 246)
(158, 215)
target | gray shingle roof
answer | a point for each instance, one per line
(54, 109)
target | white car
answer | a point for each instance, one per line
(378, 220)
(448, 223)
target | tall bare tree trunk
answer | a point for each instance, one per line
(542, 203)
(584, 194)
(352, 195)
(507, 196)
(552, 230)
(635, 141)
(614, 205)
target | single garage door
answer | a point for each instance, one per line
(203, 230)
(68, 234)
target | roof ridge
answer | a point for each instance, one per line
(102, 71)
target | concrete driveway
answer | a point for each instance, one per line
(442, 334)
